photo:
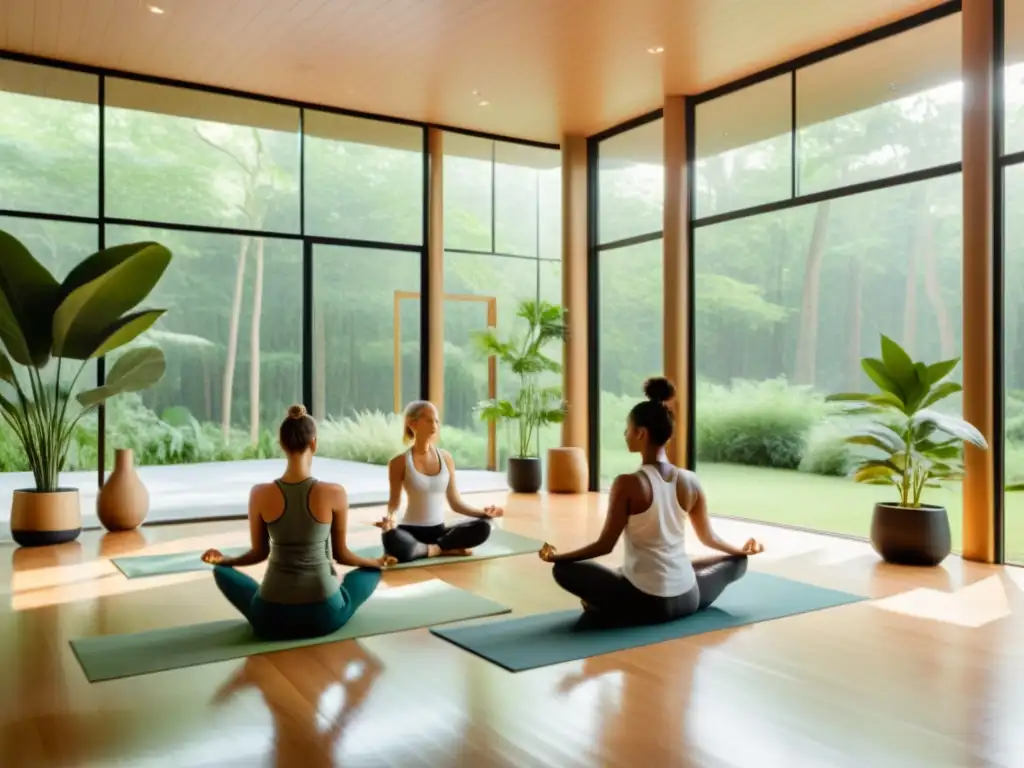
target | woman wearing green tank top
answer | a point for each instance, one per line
(297, 522)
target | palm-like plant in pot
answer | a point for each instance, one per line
(533, 406)
(910, 447)
(50, 330)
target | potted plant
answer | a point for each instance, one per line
(533, 405)
(49, 329)
(912, 447)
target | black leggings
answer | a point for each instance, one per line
(611, 598)
(409, 542)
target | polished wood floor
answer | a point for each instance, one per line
(930, 672)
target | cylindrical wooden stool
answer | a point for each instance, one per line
(567, 470)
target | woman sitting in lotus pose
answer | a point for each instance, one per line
(658, 581)
(297, 522)
(428, 476)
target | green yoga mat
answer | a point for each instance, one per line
(553, 638)
(140, 566)
(388, 610)
(501, 543)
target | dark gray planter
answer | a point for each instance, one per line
(909, 536)
(524, 475)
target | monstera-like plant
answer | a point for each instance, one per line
(911, 447)
(50, 330)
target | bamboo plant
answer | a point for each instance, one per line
(50, 330)
(533, 405)
(915, 446)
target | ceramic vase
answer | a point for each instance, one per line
(123, 501)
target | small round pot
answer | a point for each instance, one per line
(911, 536)
(40, 518)
(524, 475)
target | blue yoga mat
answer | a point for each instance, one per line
(553, 638)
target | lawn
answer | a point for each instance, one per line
(829, 504)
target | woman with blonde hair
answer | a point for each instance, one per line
(297, 522)
(428, 476)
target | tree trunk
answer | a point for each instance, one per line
(254, 347)
(855, 325)
(319, 366)
(933, 289)
(910, 290)
(807, 338)
(232, 354)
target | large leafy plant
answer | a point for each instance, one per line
(534, 405)
(916, 446)
(50, 331)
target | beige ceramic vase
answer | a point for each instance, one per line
(123, 501)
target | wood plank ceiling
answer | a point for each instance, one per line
(533, 69)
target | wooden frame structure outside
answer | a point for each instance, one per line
(492, 362)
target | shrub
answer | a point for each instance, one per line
(763, 423)
(370, 437)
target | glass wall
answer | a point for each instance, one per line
(219, 180)
(628, 259)
(788, 302)
(1013, 279)
(502, 210)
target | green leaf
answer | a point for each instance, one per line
(101, 289)
(6, 369)
(940, 451)
(497, 410)
(119, 333)
(887, 400)
(879, 436)
(897, 362)
(940, 392)
(874, 472)
(848, 397)
(876, 371)
(938, 371)
(28, 295)
(951, 425)
(135, 370)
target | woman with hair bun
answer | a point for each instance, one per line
(658, 581)
(428, 476)
(297, 522)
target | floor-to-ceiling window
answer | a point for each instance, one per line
(822, 224)
(1013, 278)
(628, 261)
(298, 241)
(502, 237)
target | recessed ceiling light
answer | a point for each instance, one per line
(656, 49)
(476, 92)
(156, 9)
(484, 103)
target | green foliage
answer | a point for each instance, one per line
(762, 424)
(82, 318)
(919, 447)
(534, 406)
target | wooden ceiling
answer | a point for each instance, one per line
(533, 69)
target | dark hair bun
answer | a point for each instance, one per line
(296, 412)
(659, 389)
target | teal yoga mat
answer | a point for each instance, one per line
(552, 638)
(388, 610)
(140, 566)
(501, 543)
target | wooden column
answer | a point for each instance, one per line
(574, 287)
(676, 266)
(434, 290)
(979, 371)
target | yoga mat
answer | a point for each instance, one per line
(140, 566)
(552, 638)
(501, 543)
(388, 610)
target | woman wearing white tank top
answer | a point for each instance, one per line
(649, 508)
(428, 476)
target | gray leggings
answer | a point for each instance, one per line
(612, 599)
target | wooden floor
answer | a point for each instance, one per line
(930, 672)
